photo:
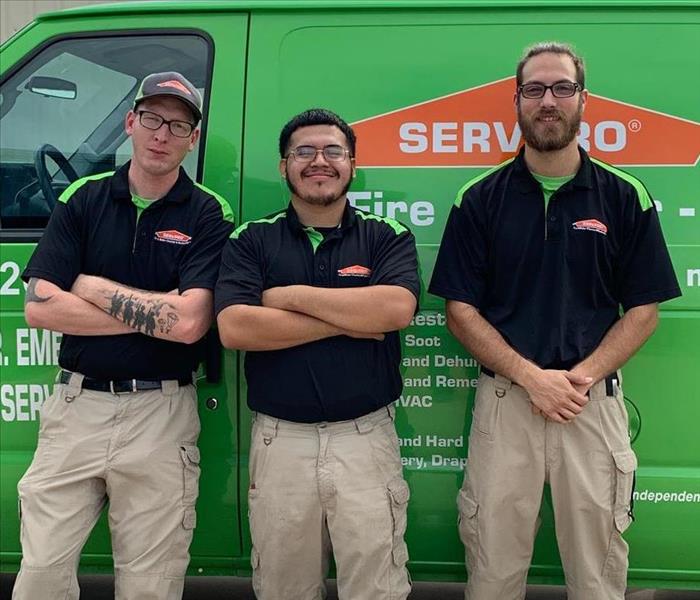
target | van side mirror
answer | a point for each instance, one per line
(52, 87)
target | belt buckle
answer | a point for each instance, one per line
(116, 393)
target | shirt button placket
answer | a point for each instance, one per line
(323, 269)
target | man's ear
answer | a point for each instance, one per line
(283, 168)
(193, 138)
(129, 122)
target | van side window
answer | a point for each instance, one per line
(62, 114)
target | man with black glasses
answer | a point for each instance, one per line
(537, 258)
(316, 294)
(125, 270)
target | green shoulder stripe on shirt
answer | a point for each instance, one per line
(395, 225)
(478, 178)
(242, 228)
(78, 183)
(643, 196)
(225, 206)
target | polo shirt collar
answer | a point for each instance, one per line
(347, 221)
(178, 194)
(583, 178)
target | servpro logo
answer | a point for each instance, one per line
(591, 225)
(477, 127)
(173, 236)
(174, 83)
(354, 271)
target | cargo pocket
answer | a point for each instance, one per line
(399, 494)
(190, 460)
(625, 466)
(616, 562)
(468, 529)
(178, 555)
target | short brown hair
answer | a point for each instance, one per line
(551, 48)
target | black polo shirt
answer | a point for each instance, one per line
(552, 282)
(336, 378)
(176, 244)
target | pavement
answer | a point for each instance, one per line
(100, 587)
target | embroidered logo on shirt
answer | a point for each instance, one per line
(591, 225)
(355, 271)
(173, 236)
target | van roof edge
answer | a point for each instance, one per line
(287, 5)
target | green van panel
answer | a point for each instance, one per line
(428, 87)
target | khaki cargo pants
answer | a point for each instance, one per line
(137, 450)
(328, 487)
(589, 465)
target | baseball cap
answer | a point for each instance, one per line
(170, 83)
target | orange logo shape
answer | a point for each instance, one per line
(591, 225)
(355, 271)
(478, 128)
(174, 83)
(173, 236)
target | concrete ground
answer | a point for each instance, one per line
(100, 587)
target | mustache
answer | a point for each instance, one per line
(318, 171)
(552, 112)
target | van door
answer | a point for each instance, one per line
(62, 117)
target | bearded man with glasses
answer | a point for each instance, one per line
(538, 257)
(316, 294)
(125, 270)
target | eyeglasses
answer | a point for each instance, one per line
(152, 121)
(560, 89)
(305, 154)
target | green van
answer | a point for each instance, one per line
(428, 87)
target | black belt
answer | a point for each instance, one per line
(120, 386)
(610, 380)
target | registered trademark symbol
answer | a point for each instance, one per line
(634, 125)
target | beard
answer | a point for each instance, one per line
(318, 199)
(552, 136)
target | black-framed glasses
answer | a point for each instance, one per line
(560, 89)
(153, 121)
(332, 153)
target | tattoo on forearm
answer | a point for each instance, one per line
(31, 295)
(142, 315)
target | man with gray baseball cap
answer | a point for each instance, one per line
(125, 271)
(171, 83)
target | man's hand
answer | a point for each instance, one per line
(557, 395)
(582, 388)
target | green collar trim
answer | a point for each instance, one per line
(315, 237)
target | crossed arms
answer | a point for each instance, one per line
(298, 314)
(99, 306)
(556, 394)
